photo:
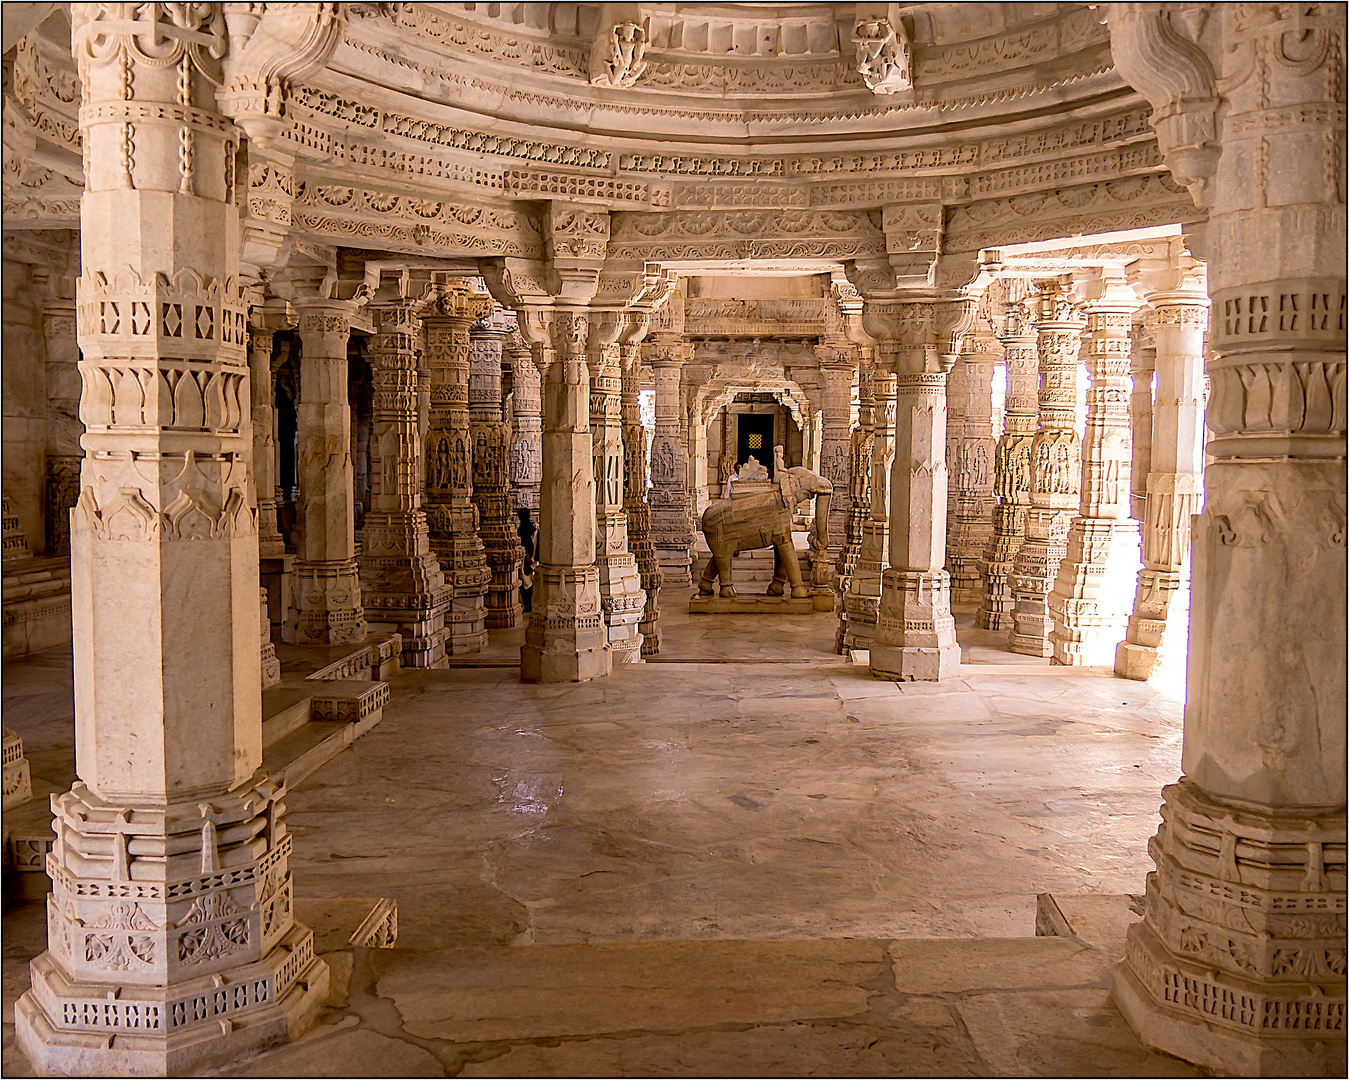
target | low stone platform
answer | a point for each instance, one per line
(36, 604)
(753, 605)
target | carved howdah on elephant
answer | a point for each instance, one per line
(762, 519)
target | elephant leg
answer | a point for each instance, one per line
(787, 554)
(777, 586)
(724, 563)
(709, 576)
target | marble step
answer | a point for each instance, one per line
(341, 714)
(912, 1007)
(285, 707)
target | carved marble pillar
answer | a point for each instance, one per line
(326, 595)
(1012, 471)
(861, 603)
(491, 490)
(566, 639)
(263, 323)
(915, 636)
(972, 529)
(838, 365)
(634, 496)
(526, 426)
(694, 433)
(621, 596)
(672, 522)
(955, 439)
(1056, 479)
(1089, 602)
(1175, 481)
(451, 516)
(64, 427)
(1142, 370)
(403, 588)
(171, 939)
(859, 490)
(1239, 961)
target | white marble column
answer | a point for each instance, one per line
(491, 487)
(326, 592)
(264, 321)
(171, 937)
(861, 603)
(621, 596)
(1143, 370)
(915, 635)
(1239, 961)
(403, 588)
(955, 439)
(859, 502)
(972, 471)
(1056, 475)
(526, 426)
(448, 461)
(1012, 471)
(1090, 599)
(1175, 479)
(635, 505)
(694, 432)
(838, 365)
(672, 521)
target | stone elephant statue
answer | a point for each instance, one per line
(761, 519)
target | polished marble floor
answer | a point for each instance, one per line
(748, 858)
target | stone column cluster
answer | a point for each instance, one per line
(1089, 602)
(171, 933)
(859, 503)
(491, 478)
(1012, 467)
(1055, 468)
(971, 527)
(526, 455)
(672, 521)
(447, 314)
(861, 603)
(635, 504)
(838, 366)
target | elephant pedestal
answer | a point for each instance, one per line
(753, 605)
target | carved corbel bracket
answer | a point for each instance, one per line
(616, 54)
(270, 45)
(1156, 49)
(913, 236)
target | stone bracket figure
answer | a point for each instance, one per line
(763, 519)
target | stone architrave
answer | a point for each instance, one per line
(915, 635)
(491, 479)
(448, 313)
(526, 426)
(1089, 602)
(1056, 475)
(1239, 961)
(1012, 472)
(326, 593)
(621, 596)
(972, 472)
(64, 426)
(171, 936)
(838, 365)
(859, 505)
(861, 603)
(635, 505)
(1175, 480)
(403, 588)
(672, 523)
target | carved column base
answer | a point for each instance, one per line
(1239, 962)
(970, 537)
(1137, 656)
(676, 567)
(649, 626)
(402, 586)
(623, 603)
(501, 602)
(1037, 565)
(18, 777)
(566, 640)
(861, 603)
(997, 601)
(326, 607)
(1089, 601)
(915, 634)
(171, 941)
(455, 543)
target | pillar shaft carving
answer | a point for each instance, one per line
(838, 365)
(634, 497)
(1055, 471)
(1086, 603)
(326, 608)
(915, 634)
(861, 444)
(861, 603)
(1239, 961)
(526, 426)
(264, 322)
(403, 588)
(621, 596)
(971, 526)
(672, 522)
(1174, 484)
(491, 479)
(64, 427)
(452, 518)
(170, 876)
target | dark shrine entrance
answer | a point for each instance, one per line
(755, 438)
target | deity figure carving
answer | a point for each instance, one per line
(617, 57)
(883, 58)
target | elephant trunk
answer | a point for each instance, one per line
(820, 535)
